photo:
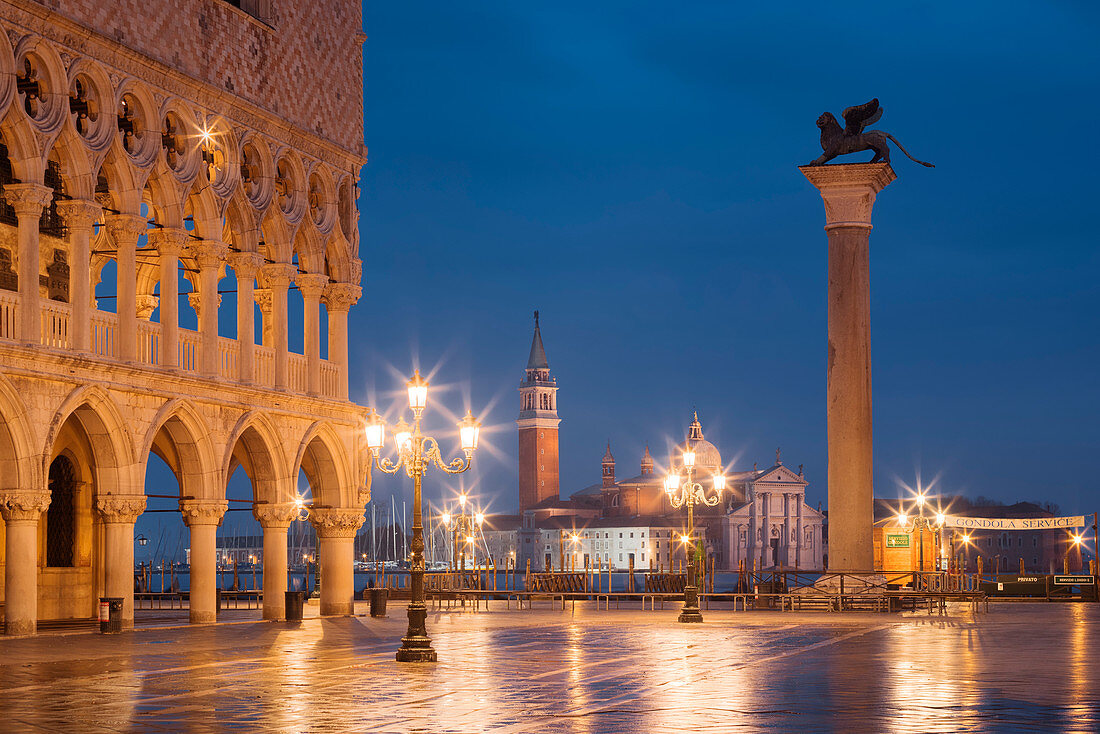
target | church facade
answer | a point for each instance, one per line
(762, 519)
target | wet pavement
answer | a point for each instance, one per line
(1021, 667)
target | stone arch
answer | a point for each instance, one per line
(107, 434)
(258, 186)
(310, 252)
(7, 74)
(321, 198)
(77, 173)
(277, 237)
(220, 154)
(254, 444)
(337, 257)
(321, 457)
(179, 436)
(207, 211)
(163, 194)
(186, 134)
(241, 228)
(27, 161)
(140, 142)
(51, 104)
(17, 441)
(290, 186)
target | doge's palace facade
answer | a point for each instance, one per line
(174, 148)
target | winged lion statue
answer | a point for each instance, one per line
(854, 137)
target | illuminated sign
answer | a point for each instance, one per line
(897, 541)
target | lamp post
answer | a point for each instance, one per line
(415, 453)
(691, 493)
(922, 522)
(457, 523)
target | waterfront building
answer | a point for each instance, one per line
(154, 156)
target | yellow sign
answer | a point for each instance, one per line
(897, 541)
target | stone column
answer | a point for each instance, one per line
(336, 529)
(203, 518)
(125, 229)
(275, 519)
(21, 512)
(210, 256)
(80, 217)
(263, 300)
(339, 298)
(277, 277)
(28, 200)
(119, 513)
(766, 529)
(246, 265)
(169, 244)
(312, 287)
(849, 194)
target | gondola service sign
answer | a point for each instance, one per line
(1014, 523)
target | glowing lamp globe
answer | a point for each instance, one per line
(402, 435)
(468, 430)
(479, 518)
(689, 459)
(376, 432)
(418, 391)
(719, 482)
(445, 518)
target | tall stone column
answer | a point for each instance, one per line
(210, 256)
(336, 529)
(277, 277)
(21, 512)
(339, 298)
(80, 217)
(275, 519)
(119, 513)
(28, 200)
(312, 287)
(263, 300)
(125, 229)
(203, 517)
(849, 194)
(169, 244)
(246, 265)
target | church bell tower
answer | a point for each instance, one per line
(538, 428)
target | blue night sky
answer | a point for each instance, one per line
(629, 169)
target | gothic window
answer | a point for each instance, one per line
(61, 515)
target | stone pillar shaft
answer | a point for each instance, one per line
(80, 217)
(169, 243)
(125, 230)
(849, 193)
(275, 519)
(339, 298)
(277, 277)
(28, 200)
(209, 256)
(21, 511)
(246, 265)
(119, 513)
(336, 530)
(312, 286)
(203, 518)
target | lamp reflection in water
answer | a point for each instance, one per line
(416, 453)
(690, 494)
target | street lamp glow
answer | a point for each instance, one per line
(402, 436)
(689, 458)
(418, 392)
(1076, 539)
(672, 483)
(719, 482)
(479, 518)
(920, 499)
(469, 540)
(445, 518)
(574, 537)
(966, 538)
(468, 430)
(376, 432)
(940, 519)
(903, 520)
(462, 500)
(685, 539)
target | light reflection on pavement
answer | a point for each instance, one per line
(1022, 666)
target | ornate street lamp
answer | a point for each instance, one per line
(922, 522)
(415, 453)
(460, 522)
(691, 493)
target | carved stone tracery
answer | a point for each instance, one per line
(332, 522)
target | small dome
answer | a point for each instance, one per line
(708, 460)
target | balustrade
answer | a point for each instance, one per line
(55, 333)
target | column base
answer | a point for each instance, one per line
(690, 615)
(203, 617)
(337, 609)
(21, 627)
(417, 649)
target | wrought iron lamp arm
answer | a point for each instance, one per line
(431, 453)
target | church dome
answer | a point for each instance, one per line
(708, 460)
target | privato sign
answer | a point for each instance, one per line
(1014, 523)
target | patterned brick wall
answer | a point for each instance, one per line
(307, 69)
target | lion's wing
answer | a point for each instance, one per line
(860, 116)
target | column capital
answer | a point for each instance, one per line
(311, 285)
(28, 198)
(168, 240)
(146, 305)
(262, 296)
(275, 515)
(21, 505)
(278, 274)
(120, 508)
(849, 190)
(336, 522)
(209, 254)
(203, 512)
(79, 213)
(245, 264)
(126, 227)
(342, 296)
